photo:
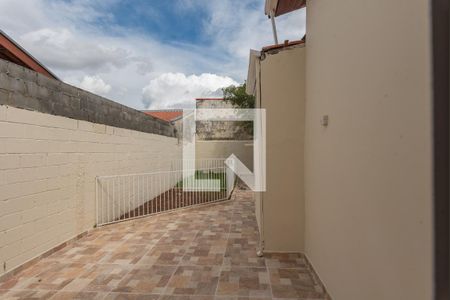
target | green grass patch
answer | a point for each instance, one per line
(206, 175)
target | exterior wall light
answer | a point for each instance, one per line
(324, 121)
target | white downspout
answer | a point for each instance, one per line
(261, 246)
(274, 27)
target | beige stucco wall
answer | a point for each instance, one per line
(48, 166)
(282, 82)
(223, 149)
(368, 175)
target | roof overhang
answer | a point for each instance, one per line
(281, 7)
(13, 52)
(286, 44)
(250, 87)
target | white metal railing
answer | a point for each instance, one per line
(123, 197)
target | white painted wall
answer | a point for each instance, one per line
(48, 166)
(368, 179)
(224, 148)
(280, 209)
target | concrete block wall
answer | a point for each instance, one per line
(24, 88)
(48, 166)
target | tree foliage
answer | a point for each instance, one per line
(237, 96)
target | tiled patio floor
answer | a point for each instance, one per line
(198, 254)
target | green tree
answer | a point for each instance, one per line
(237, 96)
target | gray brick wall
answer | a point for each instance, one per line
(26, 89)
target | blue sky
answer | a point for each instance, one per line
(146, 53)
(162, 20)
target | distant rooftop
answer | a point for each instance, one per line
(165, 114)
(174, 114)
(213, 99)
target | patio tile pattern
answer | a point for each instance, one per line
(194, 280)
(244, 281)
(204, 253)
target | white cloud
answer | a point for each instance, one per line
(178, 90)
(63, 35)
(95, 84)
(237, 26)
(63, 49)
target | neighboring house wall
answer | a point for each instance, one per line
(24, 88)
(178, 125)
(223, 130)
(48, 166)
(220, 139)
(220, 130)
(368, 174)
(282, 94)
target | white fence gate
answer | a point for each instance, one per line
(124, 197)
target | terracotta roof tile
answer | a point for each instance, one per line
(214, 99)
(13, 52)
(166, 115)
